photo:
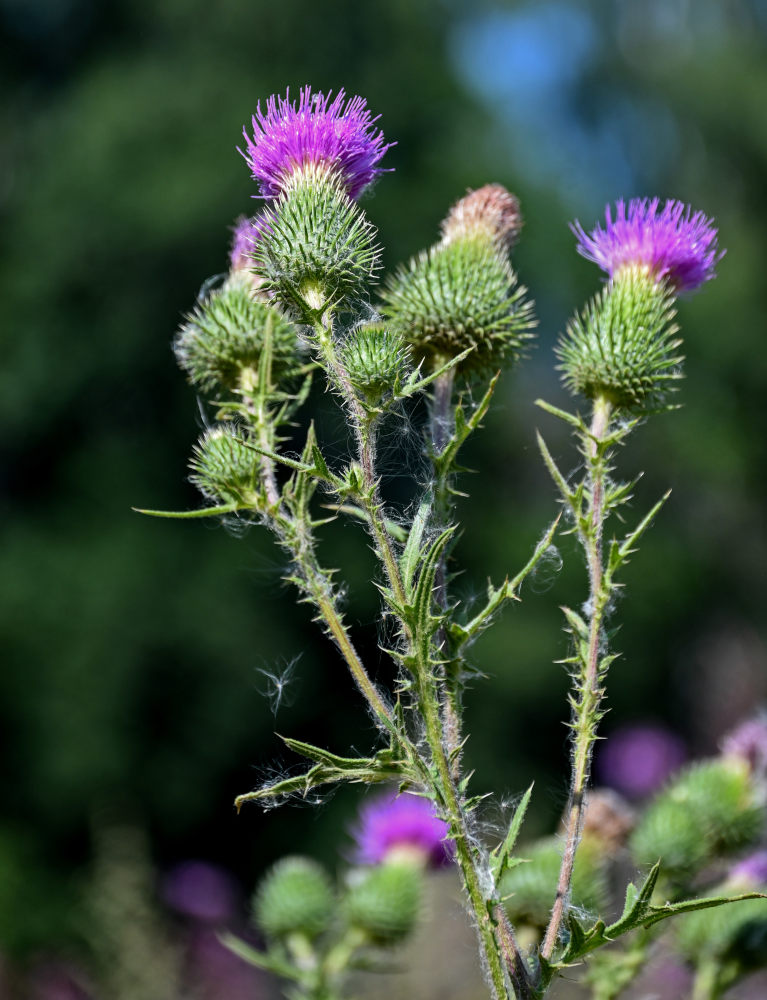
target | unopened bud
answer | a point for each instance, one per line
(295, 897)
(489, 212)
(386, 903)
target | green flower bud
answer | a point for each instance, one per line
(223, 468)
(386, 903)
(623, 346)
(529, 888)
(712, 807)
(223, 337)
(316, 249)
(294, 897)
(376, 360)
(461, 293)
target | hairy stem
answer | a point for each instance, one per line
(589, 693)
(441, 429)
(446, 782)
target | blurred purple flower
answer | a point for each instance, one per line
(214, 971)
(201, 891)
(672, 242)
(315, 131)
(402, 825)
(636, 760)
(749, 741)
(751, 871)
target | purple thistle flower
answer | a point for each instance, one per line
(393, 825)
(671, 242)
(751, 871)
(246, 232)
(314, 132)
(636, 760)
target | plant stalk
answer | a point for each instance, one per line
(590, 687)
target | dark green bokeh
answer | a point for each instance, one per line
(132, 647)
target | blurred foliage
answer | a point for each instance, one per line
(132, 648)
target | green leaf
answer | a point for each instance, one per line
(228, 508)
(260, 959)
(540, 550)
(569, 418)
(422, 623)
(412, 552)
(577, 625)
(567, 494)
(329, 769)
(500, 859)
(414, 384)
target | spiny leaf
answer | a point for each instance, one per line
(556, 475)
(260, 959)
(501, 855)
(412, 551)
(227, 508)
(569, 418)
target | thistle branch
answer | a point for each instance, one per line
(589, 692)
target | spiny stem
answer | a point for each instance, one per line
(589, 681)
(428, 699)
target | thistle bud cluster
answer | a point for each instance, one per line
(296, 299)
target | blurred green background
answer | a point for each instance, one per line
(134, 650)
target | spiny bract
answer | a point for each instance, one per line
(376, 360)
(316, 249)
(224, 336)
(223, 467)
(624, 344)
(295, 897)
(459, 295)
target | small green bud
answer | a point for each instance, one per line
(624, 345)
(712, 807)
(223, 337)
(294, 897)
(223, 468)
(386, 903)
(531, 886)
(376, 359)
(316, 249)
(457, 295)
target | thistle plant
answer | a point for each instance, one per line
(297, 304)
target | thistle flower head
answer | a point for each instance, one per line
(401, 827)
(671, 242)
(318, 131)
(489, 211)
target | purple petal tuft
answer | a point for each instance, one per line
(337, 134)
(672, 241)
(391, 822)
